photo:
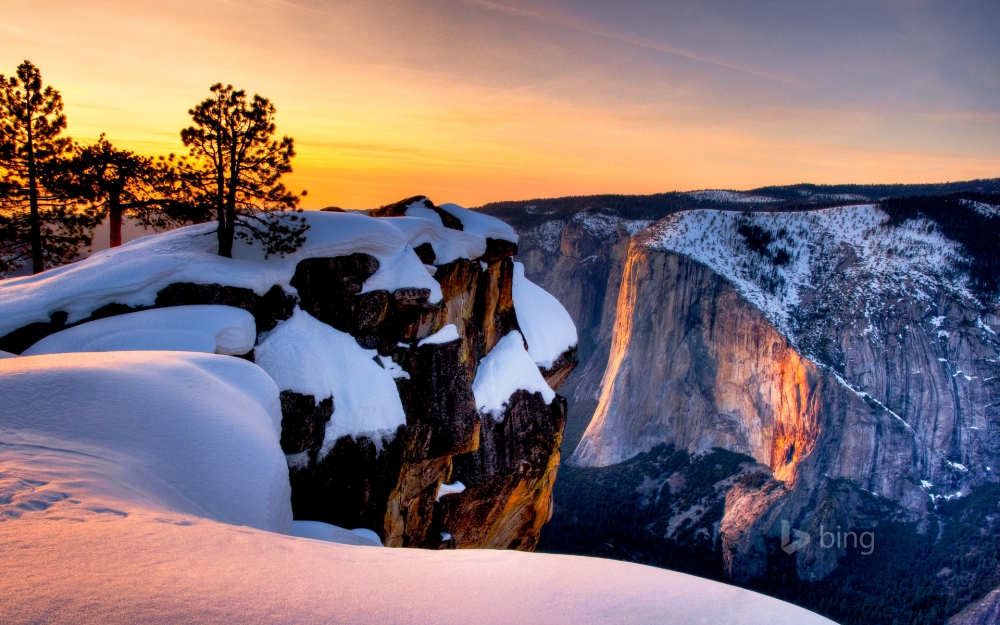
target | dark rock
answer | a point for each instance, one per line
(267, 309)
(438, 396)
(556, 375)
(327, 288)
(497, 249)
(425, 252)
(303, 421)
(351, 486)
(509, 479)
(398, 209)
(21, 339)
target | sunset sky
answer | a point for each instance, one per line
(472, 101)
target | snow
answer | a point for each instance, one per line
(208, 329)
(986, 210)
(133, 273)
(195, 433)
(505, 370)
(937, 321)
(603, 225)
(910, 258)
(480, 224)
(393, 368)
(450, 489)
(150, 487)
(318, 530)
(159, 566)
(4, 354)
(419, 209)
(730, 197)
(547, 236)
(446, 334)
(445, 536)
(304, 355)
(449, 245)
(547, 327)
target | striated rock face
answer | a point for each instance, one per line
(830, 360)
(843, 349)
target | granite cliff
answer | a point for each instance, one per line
(849, 353)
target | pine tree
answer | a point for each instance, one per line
(234, 169)
(118, 182)
(36, 220)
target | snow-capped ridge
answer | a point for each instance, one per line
(772, 258)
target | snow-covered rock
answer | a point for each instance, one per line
(546, 325)
(449, 245)
(480, 223)
(193, 433)
(450, 489)
(208, 329)
(505, 370)
(447, 334)
(307, 356)
(135, 272)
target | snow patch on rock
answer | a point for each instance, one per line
(547, 327)
(505, 370)
(306, 356)
(477, 223)
(446, 334)
(449, 245)
(449, 489)
(909, 258)
(730, 197)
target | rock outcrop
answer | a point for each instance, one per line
(450, 476)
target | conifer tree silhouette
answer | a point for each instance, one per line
(234, 169)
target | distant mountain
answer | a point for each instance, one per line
(841, 340)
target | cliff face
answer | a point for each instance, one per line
(453, 473)
(859, 356)
(845, 352)
(507, 466)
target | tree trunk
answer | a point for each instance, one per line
(225, 237)
(115, 219)
(35, 221)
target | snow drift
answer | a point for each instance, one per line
(195, 433)
(209, 329)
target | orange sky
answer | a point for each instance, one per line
(472, 101)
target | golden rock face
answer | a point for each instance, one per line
(507, 466)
